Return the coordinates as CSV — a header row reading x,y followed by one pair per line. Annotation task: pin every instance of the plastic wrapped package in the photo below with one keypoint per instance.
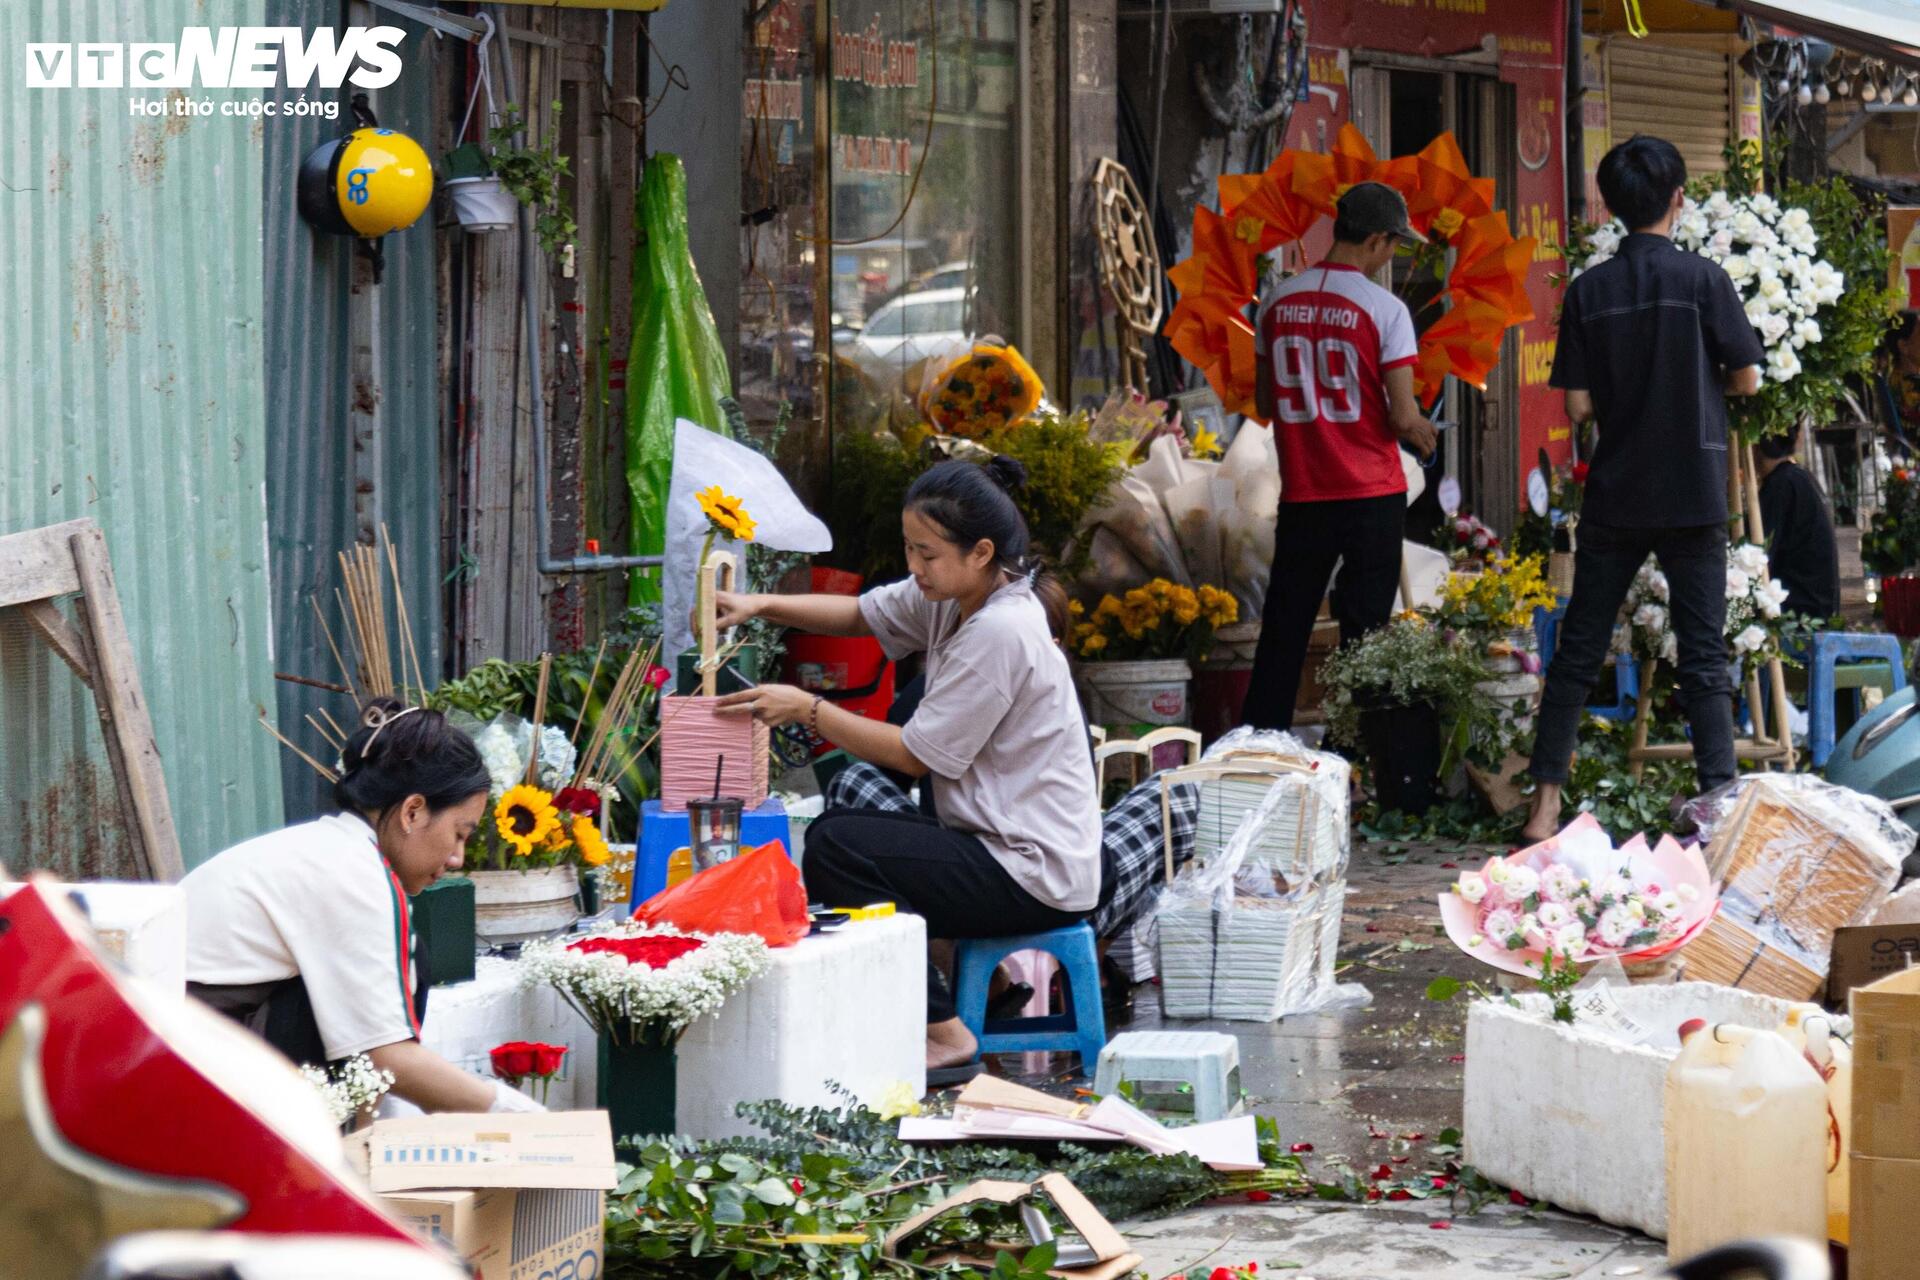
x,y
1132,517
1250,929
1195,507
978,387
1798,859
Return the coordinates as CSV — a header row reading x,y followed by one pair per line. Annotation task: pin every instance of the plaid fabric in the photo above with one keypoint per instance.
x,y
1133,839
1130,831
863,786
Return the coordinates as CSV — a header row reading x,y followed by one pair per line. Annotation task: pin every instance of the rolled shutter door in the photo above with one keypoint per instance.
x,y
1681,94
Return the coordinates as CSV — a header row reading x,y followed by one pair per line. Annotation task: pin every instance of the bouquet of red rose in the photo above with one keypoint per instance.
x,y
519,1060
645,984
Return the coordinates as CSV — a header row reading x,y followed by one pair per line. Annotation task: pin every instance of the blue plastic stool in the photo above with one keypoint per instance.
x,y
662,832
1830,649
1082,1031
1626,672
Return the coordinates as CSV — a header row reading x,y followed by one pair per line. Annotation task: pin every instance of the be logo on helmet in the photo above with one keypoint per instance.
x,y
368,183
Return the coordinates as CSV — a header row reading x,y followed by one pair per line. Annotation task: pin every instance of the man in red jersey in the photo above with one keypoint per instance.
x,y
1336,356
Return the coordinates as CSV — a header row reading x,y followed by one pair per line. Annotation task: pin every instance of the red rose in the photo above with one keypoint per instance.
x,y
1440,1182
578,800
1517,1197
1381,1174
652,952
1259,1197
513,1060
1221,1273
1579,473
547,1058
1400,1193
798,1186
657,676
1440,1226
1373,1193
1298,1147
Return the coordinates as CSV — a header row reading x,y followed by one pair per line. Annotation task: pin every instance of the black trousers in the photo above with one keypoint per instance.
x,y
1695,562
1363,535
858,856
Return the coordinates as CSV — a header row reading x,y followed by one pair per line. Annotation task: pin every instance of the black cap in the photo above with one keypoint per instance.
x,y
1371,208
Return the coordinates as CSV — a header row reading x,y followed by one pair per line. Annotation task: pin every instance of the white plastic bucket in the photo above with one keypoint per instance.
x,y
1128,693
482,204
518,906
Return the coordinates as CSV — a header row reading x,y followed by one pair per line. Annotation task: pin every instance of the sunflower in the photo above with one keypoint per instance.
x,y
725,515
592,845
525,816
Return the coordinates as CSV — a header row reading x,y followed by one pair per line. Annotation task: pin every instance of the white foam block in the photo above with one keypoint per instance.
x,y
464,1022
847,1007
1565,1114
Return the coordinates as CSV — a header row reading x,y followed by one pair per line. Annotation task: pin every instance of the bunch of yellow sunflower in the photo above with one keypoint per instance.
x,y
532,831
1159,620
1485,606
726,516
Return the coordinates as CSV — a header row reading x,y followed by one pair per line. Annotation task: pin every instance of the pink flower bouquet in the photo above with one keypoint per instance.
x,y
1581,898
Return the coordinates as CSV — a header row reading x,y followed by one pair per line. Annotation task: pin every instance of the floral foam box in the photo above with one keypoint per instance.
x,y
1574,1115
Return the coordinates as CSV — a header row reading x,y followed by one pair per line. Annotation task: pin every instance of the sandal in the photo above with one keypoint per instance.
x,y
1009,1003
947,1077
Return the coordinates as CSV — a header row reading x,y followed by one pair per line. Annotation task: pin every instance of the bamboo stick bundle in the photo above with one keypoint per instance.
x,y
401,612
539,717
288,743
616,718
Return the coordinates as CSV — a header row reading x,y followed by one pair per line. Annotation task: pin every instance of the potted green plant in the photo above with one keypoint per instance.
x,y
1137,651
1407,693
487,184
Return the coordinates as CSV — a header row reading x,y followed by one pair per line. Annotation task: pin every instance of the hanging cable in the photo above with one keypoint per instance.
x,y
926,145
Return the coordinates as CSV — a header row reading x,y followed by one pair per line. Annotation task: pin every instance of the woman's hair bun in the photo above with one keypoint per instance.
x,y
1008,472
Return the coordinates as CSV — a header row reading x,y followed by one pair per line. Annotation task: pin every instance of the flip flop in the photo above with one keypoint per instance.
x,y
946,1077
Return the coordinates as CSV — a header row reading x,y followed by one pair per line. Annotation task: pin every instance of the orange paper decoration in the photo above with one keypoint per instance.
x,y
1485,289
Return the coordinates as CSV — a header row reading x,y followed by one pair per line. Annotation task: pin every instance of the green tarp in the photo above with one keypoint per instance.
x,y
677,367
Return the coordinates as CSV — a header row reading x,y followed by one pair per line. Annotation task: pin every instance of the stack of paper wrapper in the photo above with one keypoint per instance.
x,y
1264,943
1796,866
993,1110
695,736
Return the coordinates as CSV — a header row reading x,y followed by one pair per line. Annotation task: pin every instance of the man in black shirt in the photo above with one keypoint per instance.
x,y
1799,530
1650,341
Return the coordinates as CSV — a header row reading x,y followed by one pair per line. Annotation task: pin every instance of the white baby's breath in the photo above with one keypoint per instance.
x,y
658,1004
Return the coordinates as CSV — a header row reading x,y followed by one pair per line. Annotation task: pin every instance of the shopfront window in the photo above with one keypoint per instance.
x,y
919,268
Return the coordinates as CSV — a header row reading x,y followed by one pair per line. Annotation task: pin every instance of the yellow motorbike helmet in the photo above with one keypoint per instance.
x,y
366,184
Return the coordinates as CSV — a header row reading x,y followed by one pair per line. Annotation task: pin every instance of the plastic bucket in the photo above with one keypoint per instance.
x,y
518,906
1130,693
1900,604
849,671
482,204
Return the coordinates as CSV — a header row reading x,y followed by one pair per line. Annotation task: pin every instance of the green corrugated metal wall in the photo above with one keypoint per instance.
x,y
132,391
312,493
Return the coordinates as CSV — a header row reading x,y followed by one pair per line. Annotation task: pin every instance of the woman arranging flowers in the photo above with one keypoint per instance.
x,y
998,734
303,935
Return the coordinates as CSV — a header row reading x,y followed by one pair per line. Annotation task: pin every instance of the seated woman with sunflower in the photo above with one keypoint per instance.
x,y
998,735
303,936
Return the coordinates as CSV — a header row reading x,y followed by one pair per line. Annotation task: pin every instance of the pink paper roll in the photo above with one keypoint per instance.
x,y
693,735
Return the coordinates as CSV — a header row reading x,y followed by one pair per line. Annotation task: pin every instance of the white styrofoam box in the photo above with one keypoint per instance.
x,y
1566,1115
846,1008
142,925
465,1021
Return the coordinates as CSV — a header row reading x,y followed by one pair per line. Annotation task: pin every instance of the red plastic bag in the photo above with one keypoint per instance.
x,y
758,892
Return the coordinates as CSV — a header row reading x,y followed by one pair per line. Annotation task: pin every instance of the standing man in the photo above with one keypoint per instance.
x,y
1650,343
1335,378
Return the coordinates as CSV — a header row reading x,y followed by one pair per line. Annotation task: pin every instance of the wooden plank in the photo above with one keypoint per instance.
x,y
1757,749
124,722
60,636
38,564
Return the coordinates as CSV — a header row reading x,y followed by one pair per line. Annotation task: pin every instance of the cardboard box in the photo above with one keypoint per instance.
x,y
516,1196
1867,953
1884,1192
1886,1067
1112,1258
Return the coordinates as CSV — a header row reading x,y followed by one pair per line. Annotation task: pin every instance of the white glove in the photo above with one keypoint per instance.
x,y
508,1098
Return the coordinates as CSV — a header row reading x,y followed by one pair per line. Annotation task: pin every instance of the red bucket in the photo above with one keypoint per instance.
x,y
849,671
1900,604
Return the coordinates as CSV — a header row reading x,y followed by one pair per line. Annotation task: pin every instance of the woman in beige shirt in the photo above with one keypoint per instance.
x,y
998,735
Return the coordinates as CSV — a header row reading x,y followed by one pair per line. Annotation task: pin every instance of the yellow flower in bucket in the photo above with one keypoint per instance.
x,y
592,845
524,817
